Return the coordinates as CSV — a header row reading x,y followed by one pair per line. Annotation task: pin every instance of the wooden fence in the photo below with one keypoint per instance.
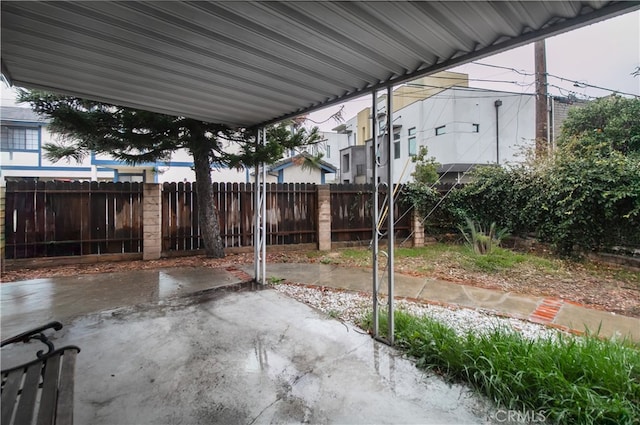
x,y
63,219
290,218
351,213
47,219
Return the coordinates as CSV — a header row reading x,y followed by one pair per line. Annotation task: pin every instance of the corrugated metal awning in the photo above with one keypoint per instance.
x,y
247,63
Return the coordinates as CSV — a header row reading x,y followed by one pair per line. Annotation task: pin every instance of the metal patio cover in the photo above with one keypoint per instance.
x,y
250,63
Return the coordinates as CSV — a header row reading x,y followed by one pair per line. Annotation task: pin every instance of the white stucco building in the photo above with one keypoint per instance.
x,y
460,126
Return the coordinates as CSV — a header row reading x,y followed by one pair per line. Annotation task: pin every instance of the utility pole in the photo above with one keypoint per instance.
x,y
542,115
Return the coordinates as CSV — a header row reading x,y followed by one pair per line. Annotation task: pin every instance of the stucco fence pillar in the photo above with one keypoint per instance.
x,y
417,229
152,221
324,217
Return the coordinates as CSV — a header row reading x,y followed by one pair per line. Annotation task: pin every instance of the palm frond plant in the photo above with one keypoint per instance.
x,y
481,239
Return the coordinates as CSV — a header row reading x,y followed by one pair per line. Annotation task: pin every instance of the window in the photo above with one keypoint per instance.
x,y
475,128
19,138
396,150
328,151
396,145
137,178
412,146
382,126
440,130
345,163
412,142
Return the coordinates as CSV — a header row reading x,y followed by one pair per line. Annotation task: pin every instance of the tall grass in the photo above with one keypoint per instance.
x,y
572,380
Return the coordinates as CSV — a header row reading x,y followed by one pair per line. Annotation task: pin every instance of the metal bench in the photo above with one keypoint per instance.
x,y
41,389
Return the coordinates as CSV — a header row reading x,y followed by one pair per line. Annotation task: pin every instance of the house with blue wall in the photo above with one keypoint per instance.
x,y
293,170
22,157
24,133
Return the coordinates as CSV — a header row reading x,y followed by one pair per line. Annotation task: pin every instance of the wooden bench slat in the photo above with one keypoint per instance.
x,y
64,415
27,401
44,385
9,393
49,394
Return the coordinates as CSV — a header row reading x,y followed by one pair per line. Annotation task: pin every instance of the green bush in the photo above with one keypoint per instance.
x,y
584,197
591,199
501,195
613,121
420,196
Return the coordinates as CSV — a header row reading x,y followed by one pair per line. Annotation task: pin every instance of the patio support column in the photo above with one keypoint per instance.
x,y
256,216
390,216
3,203
324,217
263,229
375,249
151,221
259,213
382,213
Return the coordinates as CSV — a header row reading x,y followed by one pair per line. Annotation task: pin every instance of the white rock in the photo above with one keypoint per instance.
x,y
352,307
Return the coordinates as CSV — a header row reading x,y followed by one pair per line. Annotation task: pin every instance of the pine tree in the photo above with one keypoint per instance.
x,y
135,136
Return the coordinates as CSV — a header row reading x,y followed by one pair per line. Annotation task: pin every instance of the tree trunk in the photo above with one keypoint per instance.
x,y
207,210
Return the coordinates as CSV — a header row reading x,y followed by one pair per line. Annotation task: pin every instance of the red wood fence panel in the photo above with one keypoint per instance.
x,y
352,209
48,219
73,218
291,214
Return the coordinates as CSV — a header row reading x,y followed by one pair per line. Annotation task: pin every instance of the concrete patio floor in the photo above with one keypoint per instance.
x,y
167,347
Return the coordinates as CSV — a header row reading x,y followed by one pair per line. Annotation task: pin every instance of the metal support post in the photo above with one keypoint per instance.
x,y
375,213
390,215
256,216
263,229
259,214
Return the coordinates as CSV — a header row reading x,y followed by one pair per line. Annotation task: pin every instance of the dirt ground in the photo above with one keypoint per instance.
x,y
611,288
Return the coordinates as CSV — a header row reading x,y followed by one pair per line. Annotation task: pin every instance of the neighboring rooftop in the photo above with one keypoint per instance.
x,y
16,113
456,168
298,160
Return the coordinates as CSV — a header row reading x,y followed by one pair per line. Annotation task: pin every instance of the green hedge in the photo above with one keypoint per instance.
x,y
584,198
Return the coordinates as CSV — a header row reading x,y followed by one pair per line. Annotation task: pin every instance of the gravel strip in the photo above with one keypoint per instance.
x,y
351,307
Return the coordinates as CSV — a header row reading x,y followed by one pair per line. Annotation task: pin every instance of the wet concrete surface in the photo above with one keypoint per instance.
x,y
598,322
28,304
569,316
359,279
247,357
178,346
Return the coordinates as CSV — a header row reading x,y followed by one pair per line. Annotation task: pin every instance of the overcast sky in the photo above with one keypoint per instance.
x,y
602,54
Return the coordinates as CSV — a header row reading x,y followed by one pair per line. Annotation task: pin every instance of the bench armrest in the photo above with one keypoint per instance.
x,y
35,334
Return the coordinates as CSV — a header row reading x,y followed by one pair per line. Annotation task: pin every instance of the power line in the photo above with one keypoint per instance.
x,y
440,95
521,72
574,82
581,84
484,80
